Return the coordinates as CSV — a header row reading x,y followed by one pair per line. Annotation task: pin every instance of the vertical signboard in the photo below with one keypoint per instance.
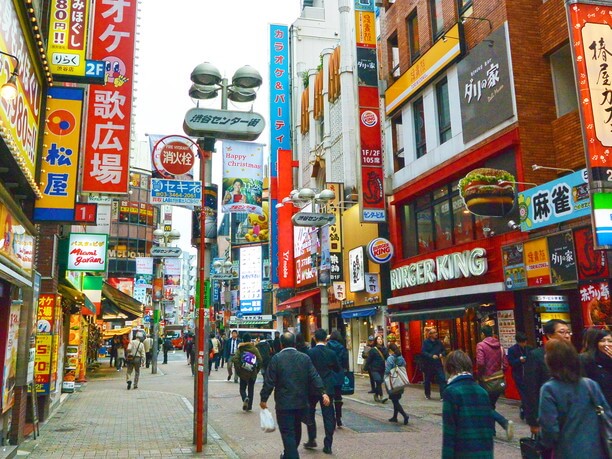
x,y
67,43
562,258
537,264
372,193
335,232
281,228
357,269
280,136
590,39
305,272
109,116
44,342
251,294
242,177
60,160
10,357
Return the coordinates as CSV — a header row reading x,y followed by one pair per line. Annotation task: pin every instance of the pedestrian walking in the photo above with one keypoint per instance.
x,y
364,367
517,357
467,419
148,345
327,365
120,359
432,352
136,356
291,375
188,345
216,348
247,362
276,345
114,343
376,365
300,343
335,344
221,359
394,360
537,373
231,346
597,365
490,359
569,423
167,346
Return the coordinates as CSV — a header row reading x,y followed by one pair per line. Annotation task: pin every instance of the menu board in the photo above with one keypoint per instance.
x,y
507,328
515,276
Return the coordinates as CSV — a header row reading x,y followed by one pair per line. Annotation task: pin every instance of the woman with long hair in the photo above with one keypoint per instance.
x,y
394,360
376,364
569,424
597,365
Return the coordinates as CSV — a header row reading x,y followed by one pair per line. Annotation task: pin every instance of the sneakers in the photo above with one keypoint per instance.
x,y
310,444
509,430
428,397
245,404
129,383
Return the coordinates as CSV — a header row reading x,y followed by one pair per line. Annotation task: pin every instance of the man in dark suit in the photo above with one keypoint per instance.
x,y
537,373
517,357
326,363
229,349
291,375
432,351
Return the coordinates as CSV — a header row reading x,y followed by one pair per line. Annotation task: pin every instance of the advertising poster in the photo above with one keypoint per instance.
x,y
515,275
592,264
537,263
251,294
10,357
123,284
242,177
507,328
281,228
210,220
87,252
172,272
596,304
305,271
562,258
44,343
60,158
109,117
357,269
67,37
16,244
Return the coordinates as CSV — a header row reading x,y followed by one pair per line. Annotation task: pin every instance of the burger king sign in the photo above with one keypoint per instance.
x,y
380,250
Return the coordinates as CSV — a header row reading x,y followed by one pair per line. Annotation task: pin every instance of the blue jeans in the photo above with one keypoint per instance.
x,y
434,372
290,427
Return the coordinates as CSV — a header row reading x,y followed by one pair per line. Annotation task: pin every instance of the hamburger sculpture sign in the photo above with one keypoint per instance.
x,y
488,192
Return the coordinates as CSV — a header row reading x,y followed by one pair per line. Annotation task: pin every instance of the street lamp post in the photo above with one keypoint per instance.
x,y
207,81
163,238
223,273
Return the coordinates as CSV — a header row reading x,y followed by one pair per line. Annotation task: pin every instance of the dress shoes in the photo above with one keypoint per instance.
x,y
310,444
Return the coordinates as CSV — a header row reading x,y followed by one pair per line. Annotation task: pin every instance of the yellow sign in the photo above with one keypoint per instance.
x,y
68,37
365,28
426,68
537,263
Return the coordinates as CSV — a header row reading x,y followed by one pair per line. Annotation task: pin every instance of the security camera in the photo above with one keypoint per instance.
x,y
512,225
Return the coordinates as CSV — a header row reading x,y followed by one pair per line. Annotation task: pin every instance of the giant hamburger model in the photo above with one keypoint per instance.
x,y
488,192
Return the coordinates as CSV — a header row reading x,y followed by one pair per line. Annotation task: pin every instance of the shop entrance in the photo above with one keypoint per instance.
x,y
457,333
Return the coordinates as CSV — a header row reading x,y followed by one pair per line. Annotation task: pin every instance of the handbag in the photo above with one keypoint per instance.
x,y
348,385
605,422
396,380
495,384
531,448
130,357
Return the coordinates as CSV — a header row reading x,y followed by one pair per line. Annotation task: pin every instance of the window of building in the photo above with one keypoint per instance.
x,y
564,83
412,25
443,106
398,143
419,127
394,64
464,5
437,18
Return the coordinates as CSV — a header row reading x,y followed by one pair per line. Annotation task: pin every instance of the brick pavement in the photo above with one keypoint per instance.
x,y
103,419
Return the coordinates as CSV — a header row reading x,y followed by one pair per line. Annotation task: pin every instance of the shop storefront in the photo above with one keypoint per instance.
x,y
361,323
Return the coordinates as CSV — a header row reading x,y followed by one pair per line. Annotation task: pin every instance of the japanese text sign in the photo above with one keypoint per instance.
x,y
223,124
251,294
305,272
60,159
554,202
183,192
106,158
281,232
174,156
20,117
537,264
67,43
562,258
592,264
596,304
515,276
87,252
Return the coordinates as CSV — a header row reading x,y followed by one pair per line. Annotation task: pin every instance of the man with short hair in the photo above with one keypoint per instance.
x,y
432,351
136,354
148,346
247,362
291,374
537,373
517,357
230,348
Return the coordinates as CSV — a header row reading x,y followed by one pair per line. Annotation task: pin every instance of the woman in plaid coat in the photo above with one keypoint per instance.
x,y
468,425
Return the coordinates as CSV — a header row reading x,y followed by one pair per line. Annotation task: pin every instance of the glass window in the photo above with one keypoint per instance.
x,y
444,225
398,143
394,63
409,238
425,231
437,18
419,127
464,5
440,192
413,36
566,98
463,230
444,118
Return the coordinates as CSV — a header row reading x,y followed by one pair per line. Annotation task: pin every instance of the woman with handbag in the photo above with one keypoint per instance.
x,y
376,365
491,362
569,405
395,360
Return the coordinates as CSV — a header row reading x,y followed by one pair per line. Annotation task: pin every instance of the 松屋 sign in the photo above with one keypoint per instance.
x,y
87,252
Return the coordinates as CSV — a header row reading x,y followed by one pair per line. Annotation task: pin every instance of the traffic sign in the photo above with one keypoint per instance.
x,y
162,252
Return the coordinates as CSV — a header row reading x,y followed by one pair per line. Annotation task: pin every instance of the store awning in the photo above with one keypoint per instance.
x,y
116,332
296,301
358,312
76,296
447,312
116,302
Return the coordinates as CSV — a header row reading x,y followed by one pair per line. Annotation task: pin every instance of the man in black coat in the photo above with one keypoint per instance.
x,y
537,373
432,351
291,375
229,349
517,358
327,365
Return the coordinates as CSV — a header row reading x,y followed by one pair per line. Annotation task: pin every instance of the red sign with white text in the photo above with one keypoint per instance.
x,y
109,113
286,267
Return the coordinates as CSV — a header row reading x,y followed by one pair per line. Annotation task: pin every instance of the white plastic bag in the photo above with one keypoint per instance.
x,y
267,421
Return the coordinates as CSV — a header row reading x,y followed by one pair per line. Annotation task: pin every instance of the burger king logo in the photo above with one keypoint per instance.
x,y
369,118
380,250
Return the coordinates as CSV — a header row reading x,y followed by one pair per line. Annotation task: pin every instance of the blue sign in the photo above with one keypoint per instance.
x,y
239,315
280,124
94,69
184,192
554,202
